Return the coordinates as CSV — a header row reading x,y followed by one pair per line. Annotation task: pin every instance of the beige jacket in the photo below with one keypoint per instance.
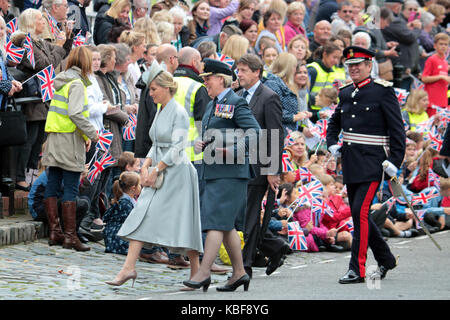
x,y
68,150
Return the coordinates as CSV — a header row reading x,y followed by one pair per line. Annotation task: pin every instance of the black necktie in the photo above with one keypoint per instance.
x,y
246,93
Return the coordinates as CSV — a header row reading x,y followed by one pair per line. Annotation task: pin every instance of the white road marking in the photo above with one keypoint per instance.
x,y
301,266
326,261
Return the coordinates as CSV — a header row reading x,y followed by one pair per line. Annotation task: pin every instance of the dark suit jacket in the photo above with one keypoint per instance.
x,y
266,107
146,115
242,119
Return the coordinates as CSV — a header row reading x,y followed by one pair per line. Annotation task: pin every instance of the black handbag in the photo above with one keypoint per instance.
x,y
13,129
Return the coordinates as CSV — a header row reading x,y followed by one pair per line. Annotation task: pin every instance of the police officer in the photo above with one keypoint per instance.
x,y
369,116
225,170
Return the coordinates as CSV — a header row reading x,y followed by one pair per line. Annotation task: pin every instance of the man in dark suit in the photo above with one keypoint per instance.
x,y
369,116
266,107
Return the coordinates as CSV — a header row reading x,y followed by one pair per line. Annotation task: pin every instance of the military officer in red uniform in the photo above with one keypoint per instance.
x,y
369,116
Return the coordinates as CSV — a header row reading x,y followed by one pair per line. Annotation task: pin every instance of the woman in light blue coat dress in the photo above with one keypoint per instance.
x,y
168,216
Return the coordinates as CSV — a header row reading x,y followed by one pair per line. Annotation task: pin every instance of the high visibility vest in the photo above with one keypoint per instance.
x,y
58,113
325,79
415,118
185,96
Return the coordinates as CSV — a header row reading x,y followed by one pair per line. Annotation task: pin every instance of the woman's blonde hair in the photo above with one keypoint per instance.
x,y
165,80
412,104
126,181
132,38
27,21
279,6
236,46
166,31
146,26
162,15
80,57
329,93
294,6
284,66
295,135
117,7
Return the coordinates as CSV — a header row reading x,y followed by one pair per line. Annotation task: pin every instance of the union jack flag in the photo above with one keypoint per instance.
x,y
310,191
288,141
417,84
129,133
350,225
79,40
226,59
105,161
390,203
305,174
13,53
286,162
425,126
46,77
434,179
28,45
405,125
105,138
12,26
420,214
341,139
320,207
321,128
436,139
53,24
401,95
296,237
423,197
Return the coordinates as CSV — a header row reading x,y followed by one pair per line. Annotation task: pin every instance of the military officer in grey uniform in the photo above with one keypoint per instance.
x,y
228,126
369,115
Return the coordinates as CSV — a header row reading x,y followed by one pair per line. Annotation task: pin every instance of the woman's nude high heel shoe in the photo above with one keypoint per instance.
x,y
117,283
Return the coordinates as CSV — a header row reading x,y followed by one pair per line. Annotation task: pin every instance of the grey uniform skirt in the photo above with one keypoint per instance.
x,y
223,204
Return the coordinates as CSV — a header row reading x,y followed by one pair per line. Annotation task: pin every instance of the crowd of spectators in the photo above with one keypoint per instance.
x,y
301,45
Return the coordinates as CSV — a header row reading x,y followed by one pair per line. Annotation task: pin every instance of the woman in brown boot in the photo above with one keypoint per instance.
x,y
69,137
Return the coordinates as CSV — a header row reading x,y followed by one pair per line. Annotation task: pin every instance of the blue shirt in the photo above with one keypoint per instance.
x,y
251,91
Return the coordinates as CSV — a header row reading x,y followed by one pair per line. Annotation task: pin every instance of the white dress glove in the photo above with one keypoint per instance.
x,y
335,150
389,168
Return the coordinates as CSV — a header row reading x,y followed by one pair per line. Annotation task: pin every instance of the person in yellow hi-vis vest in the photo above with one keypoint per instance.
x,y
323,73
70,135
191,94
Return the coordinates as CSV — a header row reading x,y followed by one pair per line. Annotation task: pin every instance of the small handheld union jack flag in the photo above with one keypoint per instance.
x,y
105,138
305,175
401,95
79,40
436,139
434,179
46,77
286,162
319,208
129,133
310,191
53,24
296,237
350,226
13,53
423,197
12,26
105,161
226,59
28,45
321,128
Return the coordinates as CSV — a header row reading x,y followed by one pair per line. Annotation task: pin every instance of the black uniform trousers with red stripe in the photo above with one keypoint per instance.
x,y
366,233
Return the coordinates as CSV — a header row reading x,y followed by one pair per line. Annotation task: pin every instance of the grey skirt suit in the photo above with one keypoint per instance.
x,y
170,215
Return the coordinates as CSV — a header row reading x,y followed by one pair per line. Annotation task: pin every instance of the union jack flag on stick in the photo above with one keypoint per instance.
x,y
12,26
105,161
79,40
296,237
105,138
13,53
28,45
129,133
423,197
46,77
226,59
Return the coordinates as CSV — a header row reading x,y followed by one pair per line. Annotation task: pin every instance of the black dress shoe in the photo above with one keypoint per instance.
x,y
19,187
335,248
351,277
276,260
244,280
197,285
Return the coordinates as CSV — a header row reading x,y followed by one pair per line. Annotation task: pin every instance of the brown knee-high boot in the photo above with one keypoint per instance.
x,y
71,240
56,236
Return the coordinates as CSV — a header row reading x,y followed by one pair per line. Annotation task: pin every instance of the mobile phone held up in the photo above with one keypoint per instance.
x,y
413,16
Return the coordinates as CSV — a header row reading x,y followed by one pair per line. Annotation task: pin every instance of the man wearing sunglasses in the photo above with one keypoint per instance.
x,y
343,19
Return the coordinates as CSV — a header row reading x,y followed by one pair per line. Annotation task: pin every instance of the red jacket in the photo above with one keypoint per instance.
x,y
341,211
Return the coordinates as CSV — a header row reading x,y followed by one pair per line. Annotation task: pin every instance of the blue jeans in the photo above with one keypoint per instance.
x,y
60,179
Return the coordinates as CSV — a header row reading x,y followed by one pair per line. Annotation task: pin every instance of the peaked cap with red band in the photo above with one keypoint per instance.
x,y
354,54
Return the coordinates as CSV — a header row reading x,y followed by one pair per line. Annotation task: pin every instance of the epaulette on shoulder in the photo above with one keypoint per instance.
x,y
345,85
384,83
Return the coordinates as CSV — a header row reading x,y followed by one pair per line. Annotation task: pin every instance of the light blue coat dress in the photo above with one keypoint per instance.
x,y
169,216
